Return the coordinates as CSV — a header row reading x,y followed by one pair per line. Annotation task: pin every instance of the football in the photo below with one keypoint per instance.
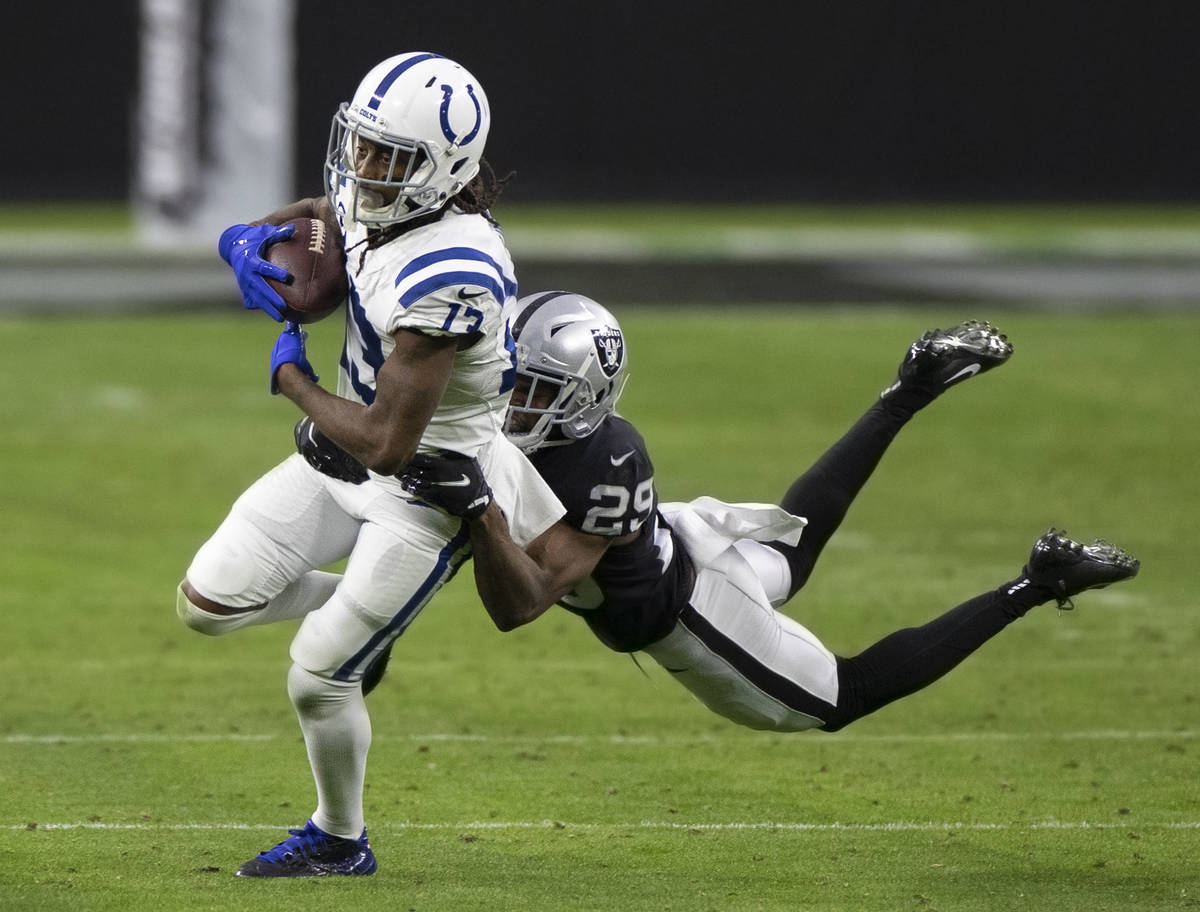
x,y
314,257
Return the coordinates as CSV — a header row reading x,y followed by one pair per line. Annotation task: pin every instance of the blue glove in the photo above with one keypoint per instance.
x,y
242,247
289,349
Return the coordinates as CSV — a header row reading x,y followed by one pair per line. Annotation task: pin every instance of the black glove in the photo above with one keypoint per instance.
x,y
449,481
326,456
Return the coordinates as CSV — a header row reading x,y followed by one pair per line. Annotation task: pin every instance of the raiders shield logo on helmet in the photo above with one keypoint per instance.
x,y
610,346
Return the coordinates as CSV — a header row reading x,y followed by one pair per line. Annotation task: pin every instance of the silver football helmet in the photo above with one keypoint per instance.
x,y
428,118
571,368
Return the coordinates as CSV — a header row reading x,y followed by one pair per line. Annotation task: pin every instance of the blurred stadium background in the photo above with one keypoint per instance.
x,y
1040,154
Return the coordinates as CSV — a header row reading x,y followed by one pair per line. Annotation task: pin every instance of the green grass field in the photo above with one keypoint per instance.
x,y
1055,770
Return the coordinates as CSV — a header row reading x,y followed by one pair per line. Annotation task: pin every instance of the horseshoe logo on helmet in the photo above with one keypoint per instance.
x,y
447,94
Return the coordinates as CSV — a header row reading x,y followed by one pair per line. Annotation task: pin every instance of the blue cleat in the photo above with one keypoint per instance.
x,y
311,852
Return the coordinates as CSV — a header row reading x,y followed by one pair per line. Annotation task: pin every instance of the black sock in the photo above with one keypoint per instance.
x,y
823,494
909,399
1026,594
910,659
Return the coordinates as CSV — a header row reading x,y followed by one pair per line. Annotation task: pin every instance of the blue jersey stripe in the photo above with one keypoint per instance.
x,y
457,253
451,557
396,72
446,279
366,393
370,351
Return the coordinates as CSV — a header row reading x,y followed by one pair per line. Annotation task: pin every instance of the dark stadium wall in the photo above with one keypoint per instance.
x,y
761,101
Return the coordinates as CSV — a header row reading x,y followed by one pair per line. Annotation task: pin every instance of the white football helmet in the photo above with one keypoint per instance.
x,y
433,117
571,353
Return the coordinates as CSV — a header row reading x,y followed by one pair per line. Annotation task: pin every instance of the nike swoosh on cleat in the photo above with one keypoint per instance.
x,y
969,371
462,482
617,460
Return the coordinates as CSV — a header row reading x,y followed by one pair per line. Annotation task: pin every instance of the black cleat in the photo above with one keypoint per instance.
x,y
374,673
1068,567
311,852
944,357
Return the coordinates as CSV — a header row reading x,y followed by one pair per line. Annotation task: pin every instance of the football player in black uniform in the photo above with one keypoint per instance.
x,y
696,586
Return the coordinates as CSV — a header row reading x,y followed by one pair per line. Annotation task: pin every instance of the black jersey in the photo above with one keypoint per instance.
x,y
606,483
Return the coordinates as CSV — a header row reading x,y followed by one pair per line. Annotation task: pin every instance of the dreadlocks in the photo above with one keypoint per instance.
x,y
482,191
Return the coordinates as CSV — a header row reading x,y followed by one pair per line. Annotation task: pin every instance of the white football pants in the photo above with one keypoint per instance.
x,y
738,655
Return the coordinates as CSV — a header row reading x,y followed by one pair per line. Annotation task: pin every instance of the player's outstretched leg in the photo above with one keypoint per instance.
x,y
946,357
910,659
1069,567
939,359
311,852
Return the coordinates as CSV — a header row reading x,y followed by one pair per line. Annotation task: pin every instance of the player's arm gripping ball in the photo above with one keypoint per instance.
x,y
449,481
242,247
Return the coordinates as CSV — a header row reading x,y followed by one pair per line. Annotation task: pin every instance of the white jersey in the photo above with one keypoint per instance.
x,y
451,277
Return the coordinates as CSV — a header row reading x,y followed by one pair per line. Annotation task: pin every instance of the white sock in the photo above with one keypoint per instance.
x,y
306,594
337,733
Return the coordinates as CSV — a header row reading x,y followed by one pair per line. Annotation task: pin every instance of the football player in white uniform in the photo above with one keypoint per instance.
x,y
428,364
697,586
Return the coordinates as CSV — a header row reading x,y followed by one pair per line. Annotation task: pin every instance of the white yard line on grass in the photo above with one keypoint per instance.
x,y
128,738
450,737
893,826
